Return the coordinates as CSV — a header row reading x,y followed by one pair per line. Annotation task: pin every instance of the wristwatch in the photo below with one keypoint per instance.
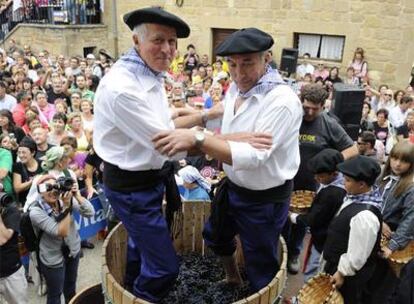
x,y
199,138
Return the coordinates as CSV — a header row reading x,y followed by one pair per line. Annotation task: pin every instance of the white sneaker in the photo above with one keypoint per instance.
x,y
293,265
42,289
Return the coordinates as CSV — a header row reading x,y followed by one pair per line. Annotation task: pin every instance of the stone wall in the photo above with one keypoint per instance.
x,y
383,28
60,39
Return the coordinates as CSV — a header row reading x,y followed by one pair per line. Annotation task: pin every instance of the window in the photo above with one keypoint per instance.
x,y
320,46
219,35
88,50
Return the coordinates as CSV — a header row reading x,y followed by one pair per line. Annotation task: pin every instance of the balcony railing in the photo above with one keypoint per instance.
x,y
49,12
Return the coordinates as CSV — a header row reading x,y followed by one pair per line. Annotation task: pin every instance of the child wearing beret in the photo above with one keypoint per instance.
x,y
328,199
354,234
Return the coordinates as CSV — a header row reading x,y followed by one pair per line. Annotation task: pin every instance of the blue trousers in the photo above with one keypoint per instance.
x,y
313,264
258,225
61,279
151,260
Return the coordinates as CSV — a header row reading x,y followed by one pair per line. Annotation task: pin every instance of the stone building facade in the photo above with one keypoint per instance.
x,y
69,40
383,28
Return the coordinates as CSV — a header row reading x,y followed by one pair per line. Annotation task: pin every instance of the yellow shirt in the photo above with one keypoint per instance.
x,y
175,62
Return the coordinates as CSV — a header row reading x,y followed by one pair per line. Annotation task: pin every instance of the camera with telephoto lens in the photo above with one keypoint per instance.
x,y
63,184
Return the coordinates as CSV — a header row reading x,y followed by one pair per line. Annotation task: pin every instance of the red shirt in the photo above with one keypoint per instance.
x,y
19,116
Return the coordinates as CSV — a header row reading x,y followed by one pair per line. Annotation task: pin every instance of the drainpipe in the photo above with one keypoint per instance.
x,y
115,28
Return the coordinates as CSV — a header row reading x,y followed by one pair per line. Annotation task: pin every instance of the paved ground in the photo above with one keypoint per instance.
x,y
89,274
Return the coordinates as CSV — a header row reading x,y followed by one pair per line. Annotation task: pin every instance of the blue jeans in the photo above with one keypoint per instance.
x,y
61,279
151,257
82,13
258,225
312,266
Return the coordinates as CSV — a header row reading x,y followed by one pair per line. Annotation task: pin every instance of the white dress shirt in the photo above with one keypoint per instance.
x,y
362,238
129,110
279,112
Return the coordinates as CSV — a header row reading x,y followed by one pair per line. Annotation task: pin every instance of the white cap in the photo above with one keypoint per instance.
x,y
90,56
220,75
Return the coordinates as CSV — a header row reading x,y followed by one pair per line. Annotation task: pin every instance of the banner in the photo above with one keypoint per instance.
x,y
89,227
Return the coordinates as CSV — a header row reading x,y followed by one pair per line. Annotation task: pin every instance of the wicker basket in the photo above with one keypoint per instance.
x,y
400,258
301,201
319,290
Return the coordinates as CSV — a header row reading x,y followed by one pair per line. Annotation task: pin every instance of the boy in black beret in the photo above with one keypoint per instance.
x,y
354,234
328,199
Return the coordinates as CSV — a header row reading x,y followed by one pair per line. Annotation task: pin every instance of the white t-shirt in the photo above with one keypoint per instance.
x,y
8,103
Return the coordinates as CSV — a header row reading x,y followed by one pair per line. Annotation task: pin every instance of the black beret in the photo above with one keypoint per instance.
x,y
361,168
244,41
159,16
325,161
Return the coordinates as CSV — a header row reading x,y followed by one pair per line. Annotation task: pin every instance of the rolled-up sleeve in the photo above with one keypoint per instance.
x,y
42,221
277,120
85,209
362,237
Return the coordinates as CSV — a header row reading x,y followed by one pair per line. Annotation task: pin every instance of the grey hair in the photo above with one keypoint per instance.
x,y
140,31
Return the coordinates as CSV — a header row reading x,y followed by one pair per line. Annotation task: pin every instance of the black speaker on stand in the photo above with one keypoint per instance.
x,y
289,60
347,104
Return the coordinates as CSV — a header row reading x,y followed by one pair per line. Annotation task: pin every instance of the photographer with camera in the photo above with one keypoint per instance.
x,y
59,246
55,162
13,284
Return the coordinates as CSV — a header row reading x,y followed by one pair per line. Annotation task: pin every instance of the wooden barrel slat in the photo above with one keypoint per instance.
x,y
188,228
198,226
264,295
274,288
127,297
254,298
104,273
110,286
281,277
118,293
178,241
242,301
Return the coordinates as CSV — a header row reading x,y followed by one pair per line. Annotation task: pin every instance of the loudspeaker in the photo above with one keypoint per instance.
x,y
347,104
289,60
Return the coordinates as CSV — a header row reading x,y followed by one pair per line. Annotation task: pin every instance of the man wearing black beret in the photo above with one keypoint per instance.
x,y
131,107
354,234
253,200
325,205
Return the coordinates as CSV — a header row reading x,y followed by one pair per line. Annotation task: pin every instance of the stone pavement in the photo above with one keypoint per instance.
x,y
89,272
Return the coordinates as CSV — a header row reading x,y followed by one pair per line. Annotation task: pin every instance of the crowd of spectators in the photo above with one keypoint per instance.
x,y
48,12
47,100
